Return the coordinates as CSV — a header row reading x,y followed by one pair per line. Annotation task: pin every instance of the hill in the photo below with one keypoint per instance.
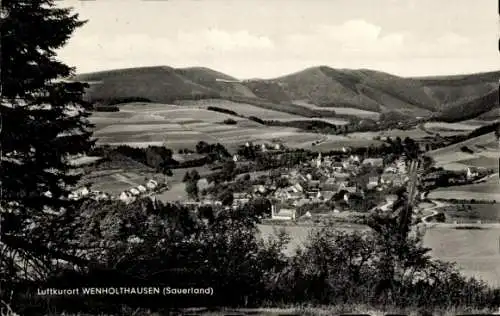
x,y
448,98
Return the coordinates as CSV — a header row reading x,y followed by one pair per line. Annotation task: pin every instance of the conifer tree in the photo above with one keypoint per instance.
x,y
44,124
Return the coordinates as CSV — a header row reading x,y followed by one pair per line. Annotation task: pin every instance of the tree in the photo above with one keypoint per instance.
x,y
195,176
192,189
187,177
227,198
44,124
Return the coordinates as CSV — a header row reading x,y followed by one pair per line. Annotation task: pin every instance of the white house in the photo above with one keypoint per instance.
x,y
374,162
235,157
126,197
135,192
472,173
372,182
354,158
152,184
142,189
282,213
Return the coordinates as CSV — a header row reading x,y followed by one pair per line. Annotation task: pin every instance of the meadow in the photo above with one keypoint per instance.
x,y
489,190
485,154
476,252
487,213
414,133
363,114
183,127
441,126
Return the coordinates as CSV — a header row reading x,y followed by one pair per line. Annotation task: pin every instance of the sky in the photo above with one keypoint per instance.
x,y
269,38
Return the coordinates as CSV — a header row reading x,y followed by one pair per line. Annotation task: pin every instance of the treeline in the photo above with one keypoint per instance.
x,y
147,244
161,158
221,110
469,108
480,131
467,201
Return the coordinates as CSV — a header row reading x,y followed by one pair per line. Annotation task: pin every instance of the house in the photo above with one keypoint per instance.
x,y
313,194
341,176
306,215
298,187
241,195
472,173
330,185
235,157
374,162
102,196
337,166
327,195
350,189
135,192
401,166
152,184
278,213
282,194
259,189
240,202
313,184
84,191
387,178
142,189
372,182
391,169
354,159
126,197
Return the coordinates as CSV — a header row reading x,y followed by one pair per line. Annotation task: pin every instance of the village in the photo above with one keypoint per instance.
x,y
332,185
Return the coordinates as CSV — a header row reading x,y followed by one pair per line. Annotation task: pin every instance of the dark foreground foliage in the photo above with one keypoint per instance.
x,y
152,244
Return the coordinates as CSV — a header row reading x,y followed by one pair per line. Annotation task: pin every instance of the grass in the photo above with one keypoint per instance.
x,y
442,126
475,251
183,127
481,161
451,157
363,114
489,190
473,213
414,133
241,108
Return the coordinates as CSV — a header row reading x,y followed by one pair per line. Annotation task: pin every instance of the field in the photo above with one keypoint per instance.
x,y
473,212
183,127
116,181
241,109
248,110
485,154
441,126
342,111
489,190
337,142
475,251
414,133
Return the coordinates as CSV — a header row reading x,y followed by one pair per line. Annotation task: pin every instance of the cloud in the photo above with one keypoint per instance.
x,y
224,41
361,39
351,37
91,51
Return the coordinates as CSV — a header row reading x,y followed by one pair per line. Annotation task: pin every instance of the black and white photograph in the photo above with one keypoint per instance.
x,y
249,157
